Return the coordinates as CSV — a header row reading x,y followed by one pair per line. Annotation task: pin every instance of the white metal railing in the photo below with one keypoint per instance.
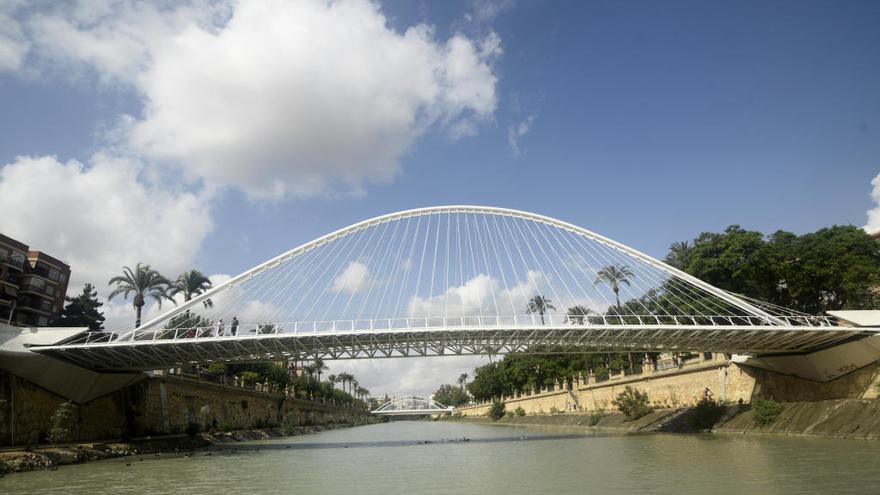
x,y
512,322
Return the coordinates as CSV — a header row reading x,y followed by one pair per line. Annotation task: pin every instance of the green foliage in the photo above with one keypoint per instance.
x,y
539,305
632,403
226,426
496,410
217,369
190,284
143,282
250,377
523,373
61,422
82,311
832,268
766,411
554,410
594,419
451,395
519,411
705,414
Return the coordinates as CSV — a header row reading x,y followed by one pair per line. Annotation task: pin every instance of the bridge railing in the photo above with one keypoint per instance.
x,y
500,322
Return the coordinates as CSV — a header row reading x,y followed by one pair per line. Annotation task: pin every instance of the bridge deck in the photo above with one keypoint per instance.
x,y
160,353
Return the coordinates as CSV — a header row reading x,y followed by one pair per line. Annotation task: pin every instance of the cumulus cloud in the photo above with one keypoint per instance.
x,y
479,296
873,224
314,97
101,216
354,278
277,98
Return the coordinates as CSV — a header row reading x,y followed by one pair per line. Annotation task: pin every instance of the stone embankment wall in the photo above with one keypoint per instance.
x,y
157,405
683,386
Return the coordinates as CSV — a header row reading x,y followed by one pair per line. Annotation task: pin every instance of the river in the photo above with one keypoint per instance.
x,y
449,458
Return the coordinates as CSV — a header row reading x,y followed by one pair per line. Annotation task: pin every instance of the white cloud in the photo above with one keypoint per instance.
x,y
873,224
100,217
420,375
115,38
516,132
13,43
314,97
354,278
277,98
479,296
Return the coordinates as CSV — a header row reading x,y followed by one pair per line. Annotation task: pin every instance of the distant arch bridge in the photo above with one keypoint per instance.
x,y
411,405
454,280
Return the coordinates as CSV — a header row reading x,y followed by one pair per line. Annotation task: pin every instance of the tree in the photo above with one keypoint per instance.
x,y
190,284
539,304
678,254
833,268
577,315
82,311
462,380
614,276
332,379
450,395
143,282
318,367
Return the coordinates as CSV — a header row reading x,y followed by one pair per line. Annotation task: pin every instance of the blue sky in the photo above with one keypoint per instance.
x,y
647,122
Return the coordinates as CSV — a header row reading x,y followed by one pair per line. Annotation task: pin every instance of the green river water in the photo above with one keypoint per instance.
x,y
449,458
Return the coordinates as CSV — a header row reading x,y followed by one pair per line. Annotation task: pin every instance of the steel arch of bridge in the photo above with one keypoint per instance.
x,y
411,405
703,318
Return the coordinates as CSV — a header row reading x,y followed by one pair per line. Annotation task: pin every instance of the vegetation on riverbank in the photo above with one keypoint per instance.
x,y
833,268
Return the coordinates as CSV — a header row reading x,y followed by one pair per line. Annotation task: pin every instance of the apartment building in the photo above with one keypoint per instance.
x,y
32,284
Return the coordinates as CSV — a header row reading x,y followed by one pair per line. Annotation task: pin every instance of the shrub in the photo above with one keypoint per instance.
x,y
553,410
706,413
632,403
60,422
250,377
519,411
496,411
594,419
217,368
766,411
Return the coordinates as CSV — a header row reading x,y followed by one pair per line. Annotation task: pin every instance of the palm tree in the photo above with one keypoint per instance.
x,y
539,304
679,252
319,367
615,276
462,379
332,379
345,378
190,284
577,314
143,282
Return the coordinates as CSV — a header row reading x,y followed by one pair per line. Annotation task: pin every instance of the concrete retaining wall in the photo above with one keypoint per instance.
x,y
155,406
684,386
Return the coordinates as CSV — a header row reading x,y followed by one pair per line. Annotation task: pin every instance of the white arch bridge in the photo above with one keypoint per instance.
x,y
454,280
411,405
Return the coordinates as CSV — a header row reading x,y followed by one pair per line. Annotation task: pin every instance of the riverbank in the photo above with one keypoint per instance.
x,y
48,457
842,418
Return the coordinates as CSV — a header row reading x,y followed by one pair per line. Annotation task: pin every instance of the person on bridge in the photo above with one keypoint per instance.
x,y
220,328
234,326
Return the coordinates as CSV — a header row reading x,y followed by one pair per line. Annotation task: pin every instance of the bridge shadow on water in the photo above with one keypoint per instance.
x,y
394,443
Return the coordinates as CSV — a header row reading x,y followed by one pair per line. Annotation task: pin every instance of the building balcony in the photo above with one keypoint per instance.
x,y
45,291
15,262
